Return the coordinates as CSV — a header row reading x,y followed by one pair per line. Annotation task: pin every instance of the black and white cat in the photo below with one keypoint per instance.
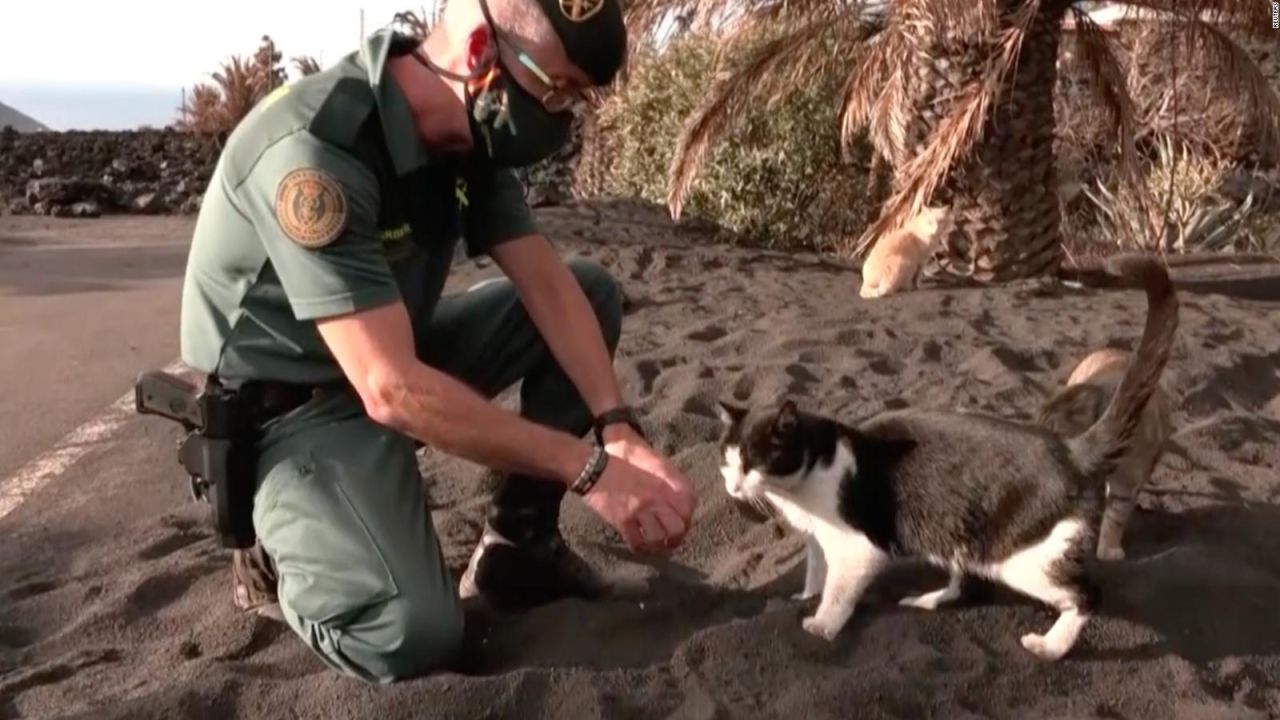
x,y
968,492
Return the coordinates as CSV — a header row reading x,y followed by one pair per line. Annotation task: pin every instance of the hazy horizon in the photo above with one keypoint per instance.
x,y
106,74
78,64
69,106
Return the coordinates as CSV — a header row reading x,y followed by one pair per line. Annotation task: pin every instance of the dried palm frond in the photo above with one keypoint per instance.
x,y
1240,74
773,72
1185,88
737,21
927,83
202,113
891,116
956,134
742,29
412,23
1111,90
646,17
242,86
215,109
306,65
957,20
266,63
1108,80
1251,17
878,76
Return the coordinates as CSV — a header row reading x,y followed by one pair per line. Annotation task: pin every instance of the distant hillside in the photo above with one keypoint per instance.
x,y
20,122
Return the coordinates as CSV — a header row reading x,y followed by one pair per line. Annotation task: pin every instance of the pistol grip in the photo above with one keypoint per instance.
x,y
158,393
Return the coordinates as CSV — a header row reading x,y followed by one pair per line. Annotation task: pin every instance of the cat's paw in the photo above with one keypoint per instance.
x,y
1040,647
1110,553
819,629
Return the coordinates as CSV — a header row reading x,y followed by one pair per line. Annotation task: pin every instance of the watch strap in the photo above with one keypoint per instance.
x,y
621,414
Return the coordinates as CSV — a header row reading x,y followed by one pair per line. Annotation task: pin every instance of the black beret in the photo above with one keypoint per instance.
x,y
593,34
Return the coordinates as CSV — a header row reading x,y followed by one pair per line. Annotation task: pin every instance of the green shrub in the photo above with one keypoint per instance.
x,y
775,179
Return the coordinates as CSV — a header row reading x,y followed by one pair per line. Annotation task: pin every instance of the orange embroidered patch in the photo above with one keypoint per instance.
x,y
311,207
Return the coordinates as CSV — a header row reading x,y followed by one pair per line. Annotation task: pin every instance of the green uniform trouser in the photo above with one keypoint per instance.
x,y
340,506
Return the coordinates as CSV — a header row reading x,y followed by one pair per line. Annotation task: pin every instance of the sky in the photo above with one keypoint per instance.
x,y
64,61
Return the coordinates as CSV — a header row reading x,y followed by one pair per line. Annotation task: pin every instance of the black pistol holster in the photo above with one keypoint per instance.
x,y
219,451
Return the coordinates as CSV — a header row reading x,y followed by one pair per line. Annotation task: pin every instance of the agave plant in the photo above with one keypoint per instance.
x,y
1190,212
957,99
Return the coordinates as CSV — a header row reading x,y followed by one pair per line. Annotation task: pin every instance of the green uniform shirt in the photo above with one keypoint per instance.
x,y
325,202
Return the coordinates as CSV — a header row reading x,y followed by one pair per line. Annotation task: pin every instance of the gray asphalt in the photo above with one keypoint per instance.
x,y
85,305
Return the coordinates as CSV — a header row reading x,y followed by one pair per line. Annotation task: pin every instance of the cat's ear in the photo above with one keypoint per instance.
x,y
729,413
788,417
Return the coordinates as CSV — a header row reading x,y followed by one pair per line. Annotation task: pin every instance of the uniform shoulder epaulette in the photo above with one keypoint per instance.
x,y
342,115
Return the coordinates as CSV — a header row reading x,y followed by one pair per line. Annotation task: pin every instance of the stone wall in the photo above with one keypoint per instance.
x,y
90,173
157,172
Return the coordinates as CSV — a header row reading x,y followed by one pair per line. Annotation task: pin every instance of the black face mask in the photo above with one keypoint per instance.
x,y
511,127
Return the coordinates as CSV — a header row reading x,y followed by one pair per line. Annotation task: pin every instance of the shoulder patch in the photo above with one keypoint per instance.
x,y
311,207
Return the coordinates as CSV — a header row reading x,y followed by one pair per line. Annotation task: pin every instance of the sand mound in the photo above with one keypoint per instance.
x,y
133,619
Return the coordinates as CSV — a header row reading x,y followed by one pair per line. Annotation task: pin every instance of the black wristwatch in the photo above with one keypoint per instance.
x,y
620,414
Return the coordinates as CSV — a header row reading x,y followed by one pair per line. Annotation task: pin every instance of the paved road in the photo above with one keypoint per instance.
x,y
84,306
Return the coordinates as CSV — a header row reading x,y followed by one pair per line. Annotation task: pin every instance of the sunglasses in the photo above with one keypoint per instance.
x,y
557,97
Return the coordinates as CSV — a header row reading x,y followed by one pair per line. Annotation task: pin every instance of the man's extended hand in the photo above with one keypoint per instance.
x,y
643,496
652,499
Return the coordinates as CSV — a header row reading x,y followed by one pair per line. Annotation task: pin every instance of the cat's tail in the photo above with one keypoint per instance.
x,y
1098,450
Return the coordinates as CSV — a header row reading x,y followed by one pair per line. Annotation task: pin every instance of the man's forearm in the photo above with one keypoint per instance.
x,y
564,318
445,414
570,328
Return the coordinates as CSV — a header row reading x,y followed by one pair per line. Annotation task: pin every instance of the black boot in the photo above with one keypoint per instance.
x,y
522,559
512,577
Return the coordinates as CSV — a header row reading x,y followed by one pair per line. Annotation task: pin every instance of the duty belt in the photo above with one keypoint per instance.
x,y
220,448
266,400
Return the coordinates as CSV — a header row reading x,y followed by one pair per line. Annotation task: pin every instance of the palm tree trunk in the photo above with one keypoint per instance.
x,y
1003,194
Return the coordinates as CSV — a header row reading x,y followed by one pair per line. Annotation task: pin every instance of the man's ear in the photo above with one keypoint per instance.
x,y
479,46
